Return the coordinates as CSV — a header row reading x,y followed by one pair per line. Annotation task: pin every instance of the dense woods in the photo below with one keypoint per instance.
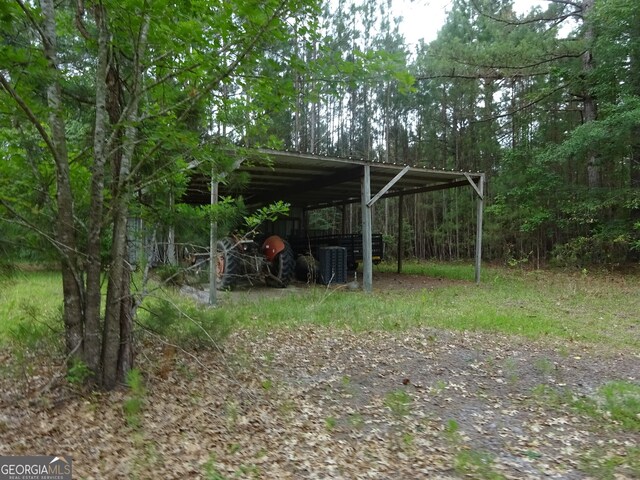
x,y
106,104
546,103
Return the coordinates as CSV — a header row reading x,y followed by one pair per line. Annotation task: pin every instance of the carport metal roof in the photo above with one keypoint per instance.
x,y
314,181
317,181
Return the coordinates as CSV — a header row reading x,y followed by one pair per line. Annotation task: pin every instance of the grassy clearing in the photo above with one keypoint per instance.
x,y
597,307
451,270
29,297
539,304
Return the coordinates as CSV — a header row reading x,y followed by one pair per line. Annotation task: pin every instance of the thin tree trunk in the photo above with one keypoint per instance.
x,y
434,216
116,293
297,122
125,353
445,122
172,258
94,264
385,121
457,225
514,132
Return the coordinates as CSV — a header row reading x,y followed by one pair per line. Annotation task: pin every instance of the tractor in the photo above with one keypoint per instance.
x,y
241,259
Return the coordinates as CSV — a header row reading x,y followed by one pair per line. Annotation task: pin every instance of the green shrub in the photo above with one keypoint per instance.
x,y
399,402
186,323
171,275
78,372
582,252
132,406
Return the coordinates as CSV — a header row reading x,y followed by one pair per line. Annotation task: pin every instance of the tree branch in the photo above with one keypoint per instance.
x,y
26,223
79,22
523,107
521,67
479,76
33,21
29,113
226,72
556,19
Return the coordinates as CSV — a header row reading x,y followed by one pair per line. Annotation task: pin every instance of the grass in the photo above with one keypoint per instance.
x,y
28,296
595,307
616,404
184,322
450,270
599,308
607,466
622,403
539,304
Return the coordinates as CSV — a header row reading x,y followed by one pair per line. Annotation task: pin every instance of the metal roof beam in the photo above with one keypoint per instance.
x,y
408,191
474,185
386,188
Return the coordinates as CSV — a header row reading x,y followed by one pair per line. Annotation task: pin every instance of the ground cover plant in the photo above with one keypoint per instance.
x,y
414,381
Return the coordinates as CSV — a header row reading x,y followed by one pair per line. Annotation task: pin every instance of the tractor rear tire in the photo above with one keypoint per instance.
x,y
282,269
227,264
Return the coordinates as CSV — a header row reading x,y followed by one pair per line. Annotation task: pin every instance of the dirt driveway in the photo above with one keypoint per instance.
x,y
429,404
319,403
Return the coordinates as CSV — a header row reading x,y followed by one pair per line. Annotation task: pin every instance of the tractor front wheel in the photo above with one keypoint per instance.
x,y
282,268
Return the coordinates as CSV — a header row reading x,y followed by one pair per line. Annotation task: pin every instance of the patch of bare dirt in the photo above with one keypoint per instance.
x,y
318,403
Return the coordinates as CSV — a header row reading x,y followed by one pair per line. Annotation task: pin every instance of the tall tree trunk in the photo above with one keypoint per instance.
x,y
72,284
117,293
117,329
514,132
444,123
590,107
125,352
634,57
297,126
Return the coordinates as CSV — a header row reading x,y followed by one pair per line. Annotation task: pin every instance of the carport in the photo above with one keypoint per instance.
x,y
312,182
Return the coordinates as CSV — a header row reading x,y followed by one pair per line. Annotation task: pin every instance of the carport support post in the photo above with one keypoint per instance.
x,y
400,239
480,207
367,249
213,240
